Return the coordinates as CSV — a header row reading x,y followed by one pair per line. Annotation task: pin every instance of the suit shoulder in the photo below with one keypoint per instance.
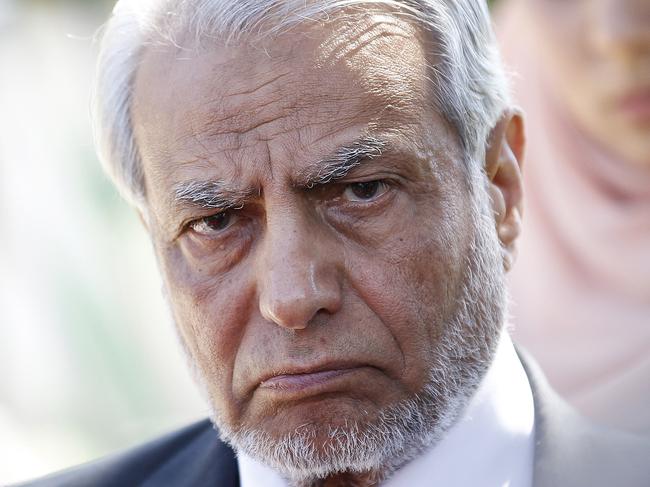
x,y
620,457
573,451
134,465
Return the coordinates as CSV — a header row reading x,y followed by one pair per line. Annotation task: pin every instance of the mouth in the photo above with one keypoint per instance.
x,y
310,380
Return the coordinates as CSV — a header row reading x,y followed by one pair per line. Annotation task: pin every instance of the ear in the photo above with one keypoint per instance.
x,y
503,162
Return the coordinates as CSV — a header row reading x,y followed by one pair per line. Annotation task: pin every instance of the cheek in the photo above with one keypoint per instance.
x,y
411,281
210,313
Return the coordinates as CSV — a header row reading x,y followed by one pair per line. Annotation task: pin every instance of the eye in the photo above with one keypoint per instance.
x,y
213,224
365,191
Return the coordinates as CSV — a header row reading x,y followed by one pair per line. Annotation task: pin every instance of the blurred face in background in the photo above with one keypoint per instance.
x,y
596,57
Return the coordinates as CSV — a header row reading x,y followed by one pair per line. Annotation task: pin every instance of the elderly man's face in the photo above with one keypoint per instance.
x,y
312,221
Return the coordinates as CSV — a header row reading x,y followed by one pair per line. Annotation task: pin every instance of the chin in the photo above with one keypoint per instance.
x,y
320,415
337,439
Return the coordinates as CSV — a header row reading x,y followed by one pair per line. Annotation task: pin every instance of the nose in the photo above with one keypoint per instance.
x,y
622,28
298,268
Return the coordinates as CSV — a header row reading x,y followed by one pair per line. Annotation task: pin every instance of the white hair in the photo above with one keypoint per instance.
x,y
469,86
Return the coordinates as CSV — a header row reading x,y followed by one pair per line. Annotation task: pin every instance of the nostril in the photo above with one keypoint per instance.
x,y
288,304
297,277
296,309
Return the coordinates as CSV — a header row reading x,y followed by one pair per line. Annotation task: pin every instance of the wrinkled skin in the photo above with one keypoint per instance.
x,y
299,277
596,58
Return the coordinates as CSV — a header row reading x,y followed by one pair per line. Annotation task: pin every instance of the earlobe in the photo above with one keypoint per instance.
x,y
504,157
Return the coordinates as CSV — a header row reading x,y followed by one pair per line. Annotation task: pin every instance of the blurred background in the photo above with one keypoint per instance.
x,y
88,359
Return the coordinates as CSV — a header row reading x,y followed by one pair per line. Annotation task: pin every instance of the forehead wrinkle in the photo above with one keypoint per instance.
x,y
226,109
360,40
244,122
359,35
229,118
308,116
393,88
365,41
213,163
255,96
379,101
232,152
259,87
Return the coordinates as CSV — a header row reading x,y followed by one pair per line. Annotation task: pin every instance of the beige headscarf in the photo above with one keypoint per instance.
x,y
581,286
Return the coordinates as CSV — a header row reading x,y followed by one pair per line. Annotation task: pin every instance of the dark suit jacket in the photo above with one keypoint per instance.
x,y
569,452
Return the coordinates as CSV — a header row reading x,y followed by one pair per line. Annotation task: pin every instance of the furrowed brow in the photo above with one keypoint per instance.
x,y
341,162
210,194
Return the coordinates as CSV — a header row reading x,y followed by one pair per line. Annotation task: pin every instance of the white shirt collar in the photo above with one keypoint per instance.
x,y
491,445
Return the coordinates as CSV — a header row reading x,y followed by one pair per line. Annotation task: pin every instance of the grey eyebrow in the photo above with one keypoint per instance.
x,y
341,162
217,194
210,194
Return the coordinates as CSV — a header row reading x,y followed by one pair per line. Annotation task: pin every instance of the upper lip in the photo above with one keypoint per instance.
x,y
311,369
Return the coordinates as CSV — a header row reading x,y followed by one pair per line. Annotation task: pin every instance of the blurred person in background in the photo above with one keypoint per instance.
x,y
581,288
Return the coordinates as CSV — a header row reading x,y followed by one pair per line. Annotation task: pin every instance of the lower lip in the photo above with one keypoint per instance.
x,y
303,382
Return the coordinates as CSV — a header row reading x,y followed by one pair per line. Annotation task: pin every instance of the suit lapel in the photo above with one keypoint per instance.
x,y
555,431
205,462
572,451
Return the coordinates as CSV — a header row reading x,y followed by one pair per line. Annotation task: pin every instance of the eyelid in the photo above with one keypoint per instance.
x,y
389,177
190,225
384,187
214,210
